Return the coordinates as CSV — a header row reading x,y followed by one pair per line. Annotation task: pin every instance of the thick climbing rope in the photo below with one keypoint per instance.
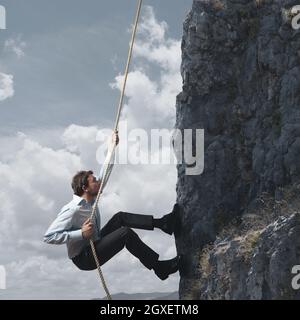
x,y
114,145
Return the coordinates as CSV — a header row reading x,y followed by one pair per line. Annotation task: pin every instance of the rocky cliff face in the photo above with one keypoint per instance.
x,y
241,84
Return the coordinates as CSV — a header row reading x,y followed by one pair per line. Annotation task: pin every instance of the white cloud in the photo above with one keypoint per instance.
x,y
33,190
16,46
152,101
153,44
6,86
150,26
82,141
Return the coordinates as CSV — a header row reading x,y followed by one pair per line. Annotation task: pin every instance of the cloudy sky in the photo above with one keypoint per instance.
x,y
61,67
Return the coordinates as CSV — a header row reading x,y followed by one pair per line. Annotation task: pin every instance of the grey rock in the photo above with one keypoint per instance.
x,y
241,84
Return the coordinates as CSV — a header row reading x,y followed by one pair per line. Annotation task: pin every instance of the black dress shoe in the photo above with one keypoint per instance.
x,y
166,267
169,221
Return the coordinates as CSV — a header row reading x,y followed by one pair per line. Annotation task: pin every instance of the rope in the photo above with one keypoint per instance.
x,y
116,128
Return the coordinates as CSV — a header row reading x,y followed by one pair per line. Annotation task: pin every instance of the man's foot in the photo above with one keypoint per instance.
x,y
166,267
169,221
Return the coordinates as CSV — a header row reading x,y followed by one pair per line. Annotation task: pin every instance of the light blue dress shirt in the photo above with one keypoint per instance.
x,y
66,228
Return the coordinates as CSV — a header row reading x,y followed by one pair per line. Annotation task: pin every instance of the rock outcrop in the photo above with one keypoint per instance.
x,y
241,84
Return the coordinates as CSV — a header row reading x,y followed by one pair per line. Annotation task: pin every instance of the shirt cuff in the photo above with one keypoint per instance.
x,y
76,235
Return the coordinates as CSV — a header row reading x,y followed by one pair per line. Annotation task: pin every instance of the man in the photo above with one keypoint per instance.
x,y
74,227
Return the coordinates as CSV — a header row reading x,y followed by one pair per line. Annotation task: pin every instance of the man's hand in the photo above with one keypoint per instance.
x,y
87,229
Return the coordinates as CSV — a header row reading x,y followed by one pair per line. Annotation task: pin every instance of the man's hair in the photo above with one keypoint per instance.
x,y
79,181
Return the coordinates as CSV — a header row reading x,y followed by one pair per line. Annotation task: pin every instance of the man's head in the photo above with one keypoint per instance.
x,y
84,182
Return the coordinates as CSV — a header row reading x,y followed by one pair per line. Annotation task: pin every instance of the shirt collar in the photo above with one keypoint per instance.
x,y
79,200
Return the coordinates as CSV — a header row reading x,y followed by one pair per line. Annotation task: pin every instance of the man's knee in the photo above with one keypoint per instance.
x,y
128,232
119,215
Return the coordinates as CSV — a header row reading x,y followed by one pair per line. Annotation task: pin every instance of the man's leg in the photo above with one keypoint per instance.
x,y
111,244
127,219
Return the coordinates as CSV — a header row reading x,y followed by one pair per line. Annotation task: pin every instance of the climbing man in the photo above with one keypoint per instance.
x,y
74,227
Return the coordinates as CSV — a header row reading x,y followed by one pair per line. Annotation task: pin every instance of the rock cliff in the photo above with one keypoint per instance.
x,y
239,220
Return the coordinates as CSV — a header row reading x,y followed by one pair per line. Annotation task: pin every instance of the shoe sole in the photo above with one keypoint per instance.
x,y
178,262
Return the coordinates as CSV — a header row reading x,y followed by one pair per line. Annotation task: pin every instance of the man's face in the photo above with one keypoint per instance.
x,y
93,185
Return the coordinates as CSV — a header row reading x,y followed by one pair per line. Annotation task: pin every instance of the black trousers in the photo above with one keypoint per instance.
x,y
116,234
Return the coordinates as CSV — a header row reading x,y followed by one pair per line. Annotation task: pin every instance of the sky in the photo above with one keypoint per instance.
x,y
61,69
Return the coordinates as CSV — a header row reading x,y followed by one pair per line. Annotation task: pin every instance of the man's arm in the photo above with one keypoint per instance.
x,y
108,165
59,231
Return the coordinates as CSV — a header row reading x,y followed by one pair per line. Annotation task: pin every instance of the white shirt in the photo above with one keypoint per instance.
x,y
66,228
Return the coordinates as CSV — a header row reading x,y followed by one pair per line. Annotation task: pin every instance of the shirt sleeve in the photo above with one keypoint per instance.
x,y
60,230
107,166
